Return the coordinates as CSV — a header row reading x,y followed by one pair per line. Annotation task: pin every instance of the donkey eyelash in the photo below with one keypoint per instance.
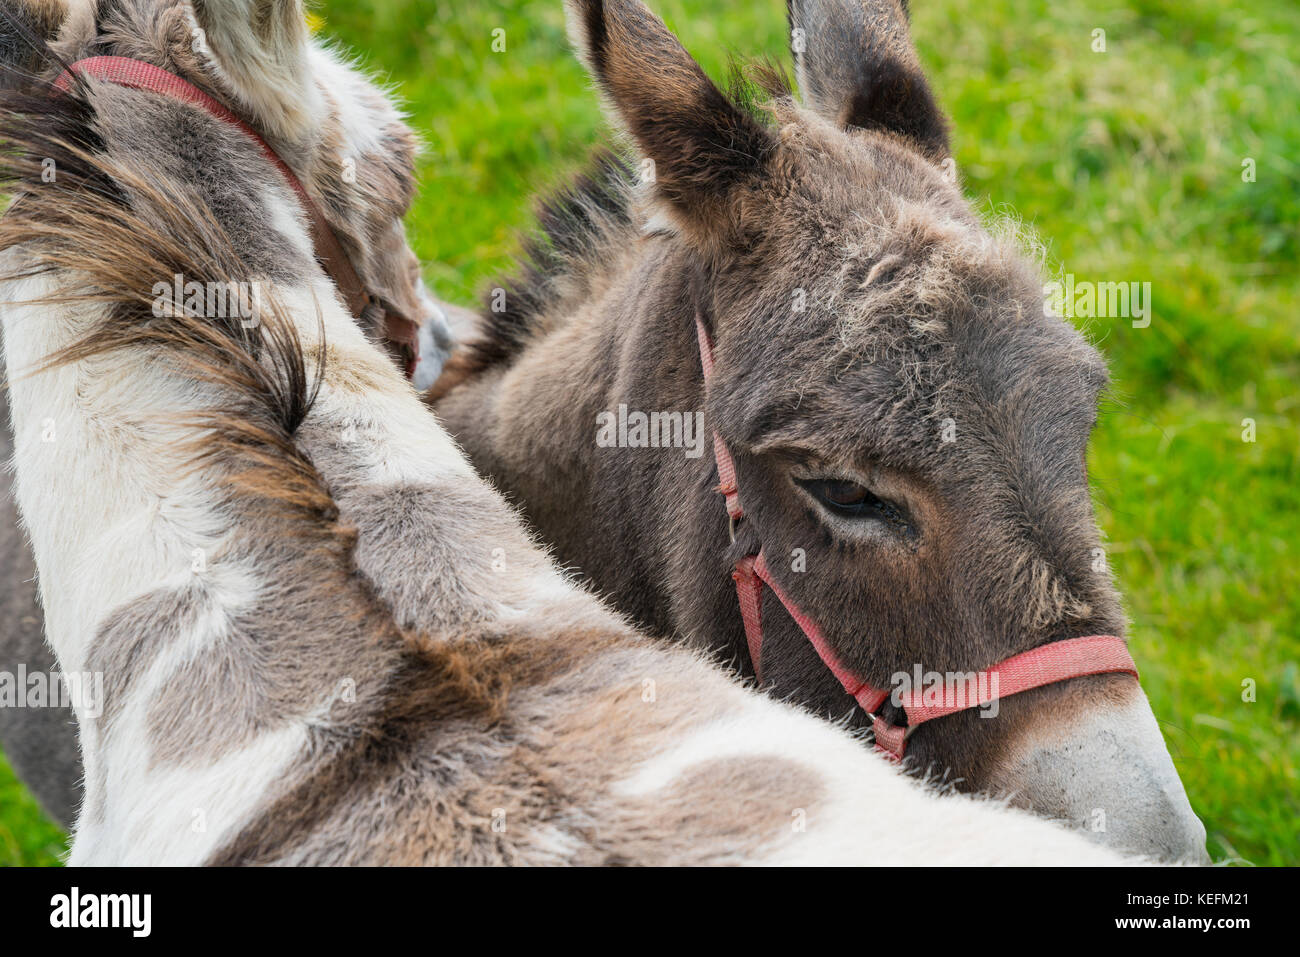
x,y
851,500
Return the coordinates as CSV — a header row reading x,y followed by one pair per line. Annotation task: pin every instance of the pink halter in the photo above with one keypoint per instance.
x,y
400,330
1047,664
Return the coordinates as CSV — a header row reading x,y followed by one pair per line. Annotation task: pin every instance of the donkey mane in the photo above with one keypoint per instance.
x,y
576,225
101,223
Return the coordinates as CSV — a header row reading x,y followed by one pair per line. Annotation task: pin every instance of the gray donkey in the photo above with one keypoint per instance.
x,y
900,427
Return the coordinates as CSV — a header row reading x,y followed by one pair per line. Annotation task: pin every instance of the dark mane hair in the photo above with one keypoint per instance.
x,y
579,223
98,221
575,225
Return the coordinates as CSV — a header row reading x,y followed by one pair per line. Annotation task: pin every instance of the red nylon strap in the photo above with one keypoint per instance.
x,y
751,575
721,455
1044,665
399,329
868,697
1047,664
749,592
891,739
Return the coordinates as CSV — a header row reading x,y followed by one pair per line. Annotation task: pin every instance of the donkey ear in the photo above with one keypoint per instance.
x,y
705,149
857,66
259,48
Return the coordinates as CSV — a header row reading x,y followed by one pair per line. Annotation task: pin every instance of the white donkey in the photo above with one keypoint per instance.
x,y
322,638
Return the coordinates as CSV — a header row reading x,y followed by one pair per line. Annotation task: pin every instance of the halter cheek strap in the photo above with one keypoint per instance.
x,y
1044,665
400,330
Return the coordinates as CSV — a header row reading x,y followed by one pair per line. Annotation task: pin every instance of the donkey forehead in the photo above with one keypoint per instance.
x,y
914,369
855,209
890,309
842,175
358,116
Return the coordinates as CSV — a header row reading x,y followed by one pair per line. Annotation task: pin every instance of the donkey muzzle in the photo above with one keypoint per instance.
x,y
1106,771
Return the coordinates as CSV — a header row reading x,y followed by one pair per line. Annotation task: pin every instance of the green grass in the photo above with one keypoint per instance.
x,y
1128,163
26,837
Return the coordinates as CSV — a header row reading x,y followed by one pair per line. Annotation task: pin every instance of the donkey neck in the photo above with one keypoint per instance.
x,y
156,581
628,349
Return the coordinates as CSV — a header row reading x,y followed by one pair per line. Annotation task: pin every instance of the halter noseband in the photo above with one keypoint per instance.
x,y
1044,665
400,331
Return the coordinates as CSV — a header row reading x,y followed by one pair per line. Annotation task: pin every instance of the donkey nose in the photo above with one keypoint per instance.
x,y
436,343
1105,770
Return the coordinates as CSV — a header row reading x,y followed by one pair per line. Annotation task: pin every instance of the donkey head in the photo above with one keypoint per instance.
x,y
909,426
338,132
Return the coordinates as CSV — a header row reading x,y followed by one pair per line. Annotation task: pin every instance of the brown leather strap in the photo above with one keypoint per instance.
x,y
399,330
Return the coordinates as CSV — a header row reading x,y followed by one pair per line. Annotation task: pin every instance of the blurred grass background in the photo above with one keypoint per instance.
x,y
1129,164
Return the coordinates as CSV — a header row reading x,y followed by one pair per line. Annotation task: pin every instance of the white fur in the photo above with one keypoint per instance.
x,y
267,71
874,813
108,523
178,815
333,73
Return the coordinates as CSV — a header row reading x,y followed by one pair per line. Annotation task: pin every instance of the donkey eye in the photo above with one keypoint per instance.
x,y
852,500
841,494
